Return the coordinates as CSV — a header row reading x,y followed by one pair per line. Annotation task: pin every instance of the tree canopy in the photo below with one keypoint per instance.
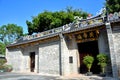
x,y
113,6
8,34
49,20
2,48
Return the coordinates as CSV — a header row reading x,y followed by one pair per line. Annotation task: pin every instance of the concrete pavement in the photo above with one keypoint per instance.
x,y
26,76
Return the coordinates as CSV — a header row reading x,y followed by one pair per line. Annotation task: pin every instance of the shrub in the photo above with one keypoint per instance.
x,y
5,67
88,61
102,61
8,68
2,62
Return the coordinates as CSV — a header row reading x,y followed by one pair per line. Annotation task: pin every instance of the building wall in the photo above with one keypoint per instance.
x,y
69,55
103,42
116,38
26,57
49,58
19,58
104,48
53,57
73,52
64,56
15,58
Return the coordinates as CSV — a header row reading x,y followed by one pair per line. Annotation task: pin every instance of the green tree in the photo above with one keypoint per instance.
x,y
8,34
49,20
2,48
113,6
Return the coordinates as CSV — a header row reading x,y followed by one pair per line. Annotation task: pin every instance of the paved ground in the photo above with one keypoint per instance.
x,y
19,76
23,76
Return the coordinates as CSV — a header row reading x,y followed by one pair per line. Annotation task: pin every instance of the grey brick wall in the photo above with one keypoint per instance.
x,y
112,49
26,57
69,50
104,48
49,58
14,58
19,58
73,52
116,36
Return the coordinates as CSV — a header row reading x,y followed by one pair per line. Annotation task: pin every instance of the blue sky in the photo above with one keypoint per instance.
x,y
18,11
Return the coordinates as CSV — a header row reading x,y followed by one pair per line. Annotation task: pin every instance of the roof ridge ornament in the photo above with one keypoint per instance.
x,y
103,12
77,18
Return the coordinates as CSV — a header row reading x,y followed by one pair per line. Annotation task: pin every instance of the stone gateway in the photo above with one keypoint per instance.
x,y
60,51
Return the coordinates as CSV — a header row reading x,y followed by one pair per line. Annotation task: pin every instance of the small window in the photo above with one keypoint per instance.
x,y
70,59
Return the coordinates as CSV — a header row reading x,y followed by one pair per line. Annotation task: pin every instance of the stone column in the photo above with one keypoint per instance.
x,y
61,55
112,51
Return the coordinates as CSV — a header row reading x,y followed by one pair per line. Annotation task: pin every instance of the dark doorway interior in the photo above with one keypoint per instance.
x,y
32,61
88,48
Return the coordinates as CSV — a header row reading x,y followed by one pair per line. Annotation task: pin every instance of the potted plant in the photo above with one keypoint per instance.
x,y
102,61
88,61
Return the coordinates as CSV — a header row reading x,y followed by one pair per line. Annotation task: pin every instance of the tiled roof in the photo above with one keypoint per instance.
x,y
32,40
83,28
77,25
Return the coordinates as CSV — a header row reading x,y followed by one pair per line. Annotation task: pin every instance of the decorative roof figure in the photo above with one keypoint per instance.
x,y
77,20
103,12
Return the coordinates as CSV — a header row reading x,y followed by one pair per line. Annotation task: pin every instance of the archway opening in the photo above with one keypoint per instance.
x,y
88,48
